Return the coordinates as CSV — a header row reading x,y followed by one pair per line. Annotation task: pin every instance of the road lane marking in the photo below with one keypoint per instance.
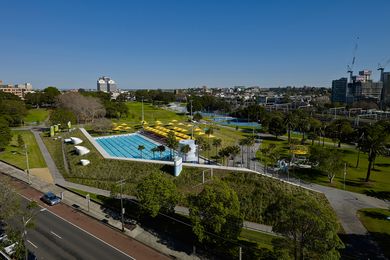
x,y
32,243
101,240
55,234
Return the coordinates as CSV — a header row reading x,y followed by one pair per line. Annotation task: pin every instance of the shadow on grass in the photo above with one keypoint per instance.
x,y
376,215
355,183
383,164
307,174
378,194
362,246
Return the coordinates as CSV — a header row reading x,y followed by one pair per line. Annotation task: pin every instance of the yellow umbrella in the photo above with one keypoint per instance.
x,y
197,129
180,124
189,125
174,121
123,124
127,127
114,124
200,133
158,123
211,136
170,123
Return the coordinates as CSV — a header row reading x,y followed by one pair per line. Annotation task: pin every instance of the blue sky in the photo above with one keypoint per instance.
x,y
183,43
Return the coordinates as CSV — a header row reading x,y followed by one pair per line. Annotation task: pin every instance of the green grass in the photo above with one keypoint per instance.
x,y
376,223
262,240
151,114
36,115
378,186
16,155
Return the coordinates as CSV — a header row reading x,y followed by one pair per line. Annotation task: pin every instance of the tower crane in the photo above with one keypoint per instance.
x,y
350,67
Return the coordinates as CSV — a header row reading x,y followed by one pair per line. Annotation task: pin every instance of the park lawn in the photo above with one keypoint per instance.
x,y
16,155
378,186
379,227
263,240
151,114
36,115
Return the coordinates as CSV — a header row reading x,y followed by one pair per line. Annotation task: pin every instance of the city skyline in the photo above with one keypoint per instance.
x,y
189,44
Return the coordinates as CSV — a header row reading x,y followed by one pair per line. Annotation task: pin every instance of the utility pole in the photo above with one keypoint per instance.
x,y
27,163
120,183
345,173
142,107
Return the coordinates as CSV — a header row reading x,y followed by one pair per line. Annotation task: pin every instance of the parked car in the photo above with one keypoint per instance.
x,y
50,198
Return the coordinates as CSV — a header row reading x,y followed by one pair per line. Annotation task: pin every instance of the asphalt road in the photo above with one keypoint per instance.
x,y
54,238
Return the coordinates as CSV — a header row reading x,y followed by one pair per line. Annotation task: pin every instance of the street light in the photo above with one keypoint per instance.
x,y
25,225
27,163
121,183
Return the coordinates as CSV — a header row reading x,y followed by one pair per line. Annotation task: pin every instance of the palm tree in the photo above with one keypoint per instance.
x,y
140,148
290,121
242,143
234,150
217,143
154,150
161,149
373,143
209,132
199,142
172,143
250,141
185,149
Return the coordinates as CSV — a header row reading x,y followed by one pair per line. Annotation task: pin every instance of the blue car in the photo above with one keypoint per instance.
x,y
50,198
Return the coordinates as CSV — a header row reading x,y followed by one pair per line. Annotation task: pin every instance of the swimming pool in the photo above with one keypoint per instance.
x,y
127,146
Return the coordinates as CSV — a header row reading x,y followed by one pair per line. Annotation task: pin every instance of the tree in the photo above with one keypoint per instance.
x,y
154,150
157,193
327,160
197,117
234,150
185,149
340,130
303,122
62,116
5,133
13,111
102,125
217,143
209,132
172,143
250,141
50,95
373,143
141,148
270,154
315,126
161,149
200,142
276,126
242,143
224,153
216,209
310,227
9,201
20,141
290,122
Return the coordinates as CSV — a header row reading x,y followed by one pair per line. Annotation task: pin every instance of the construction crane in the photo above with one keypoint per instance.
x,y
350,67
381,68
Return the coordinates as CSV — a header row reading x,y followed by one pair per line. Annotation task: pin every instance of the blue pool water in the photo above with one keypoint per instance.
x,y
127,146
230,121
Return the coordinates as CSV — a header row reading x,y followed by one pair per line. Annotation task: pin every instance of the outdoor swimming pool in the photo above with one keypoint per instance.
x,y
127,146
230,121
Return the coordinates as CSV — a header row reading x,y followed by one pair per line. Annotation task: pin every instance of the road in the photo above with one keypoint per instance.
x,y
55,238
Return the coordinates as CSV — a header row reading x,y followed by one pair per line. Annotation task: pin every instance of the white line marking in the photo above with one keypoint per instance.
x,y
55,234
32,243
104,242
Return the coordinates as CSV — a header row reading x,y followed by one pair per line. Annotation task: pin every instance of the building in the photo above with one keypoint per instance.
x,y
360,87
19,90
385,78
106,84
339,90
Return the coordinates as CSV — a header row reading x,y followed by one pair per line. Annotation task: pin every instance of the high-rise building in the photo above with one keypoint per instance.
x,y
106,84
385,78
339,90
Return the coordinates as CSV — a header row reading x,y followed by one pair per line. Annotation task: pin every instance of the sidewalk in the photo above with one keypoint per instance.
x,y
95,210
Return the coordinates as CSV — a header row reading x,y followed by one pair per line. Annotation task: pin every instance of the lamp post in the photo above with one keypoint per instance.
x,y
27,163
121,183
142,108
24,235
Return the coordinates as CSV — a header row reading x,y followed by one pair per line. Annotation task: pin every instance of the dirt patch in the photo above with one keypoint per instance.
x,y
43,174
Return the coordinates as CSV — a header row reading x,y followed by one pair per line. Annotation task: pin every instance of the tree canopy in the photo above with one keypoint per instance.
x,y
157,193
217,210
